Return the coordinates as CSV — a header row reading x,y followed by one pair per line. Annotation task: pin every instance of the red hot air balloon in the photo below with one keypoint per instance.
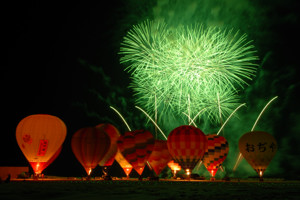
x,y
114,135
258,148
187,145
160,156
39,137
136,147
90,145
215,153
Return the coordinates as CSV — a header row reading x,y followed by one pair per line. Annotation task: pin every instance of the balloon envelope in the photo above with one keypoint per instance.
x,y
258,148
187,145
160,156
89,146
114,135
126,166
136,146
215,153
39,137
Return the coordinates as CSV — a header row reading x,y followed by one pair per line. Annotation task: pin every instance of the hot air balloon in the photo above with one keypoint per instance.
x,y
136,146
215,153
258,148
187,145
109,158
126,166
175,167
39,137
89,146
114,135
160,156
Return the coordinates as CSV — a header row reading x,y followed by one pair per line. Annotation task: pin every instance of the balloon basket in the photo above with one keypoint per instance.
x,y
212,179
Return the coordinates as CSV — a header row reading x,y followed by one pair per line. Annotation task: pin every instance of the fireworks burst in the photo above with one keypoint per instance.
x,y
188,67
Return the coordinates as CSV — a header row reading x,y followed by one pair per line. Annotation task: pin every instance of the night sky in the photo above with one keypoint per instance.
x,y
57,54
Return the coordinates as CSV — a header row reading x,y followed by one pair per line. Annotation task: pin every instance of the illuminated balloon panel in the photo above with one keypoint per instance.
x,y
187,145
126,166
160,156
215,153
114,135
89,146
136,146
39,137
258,148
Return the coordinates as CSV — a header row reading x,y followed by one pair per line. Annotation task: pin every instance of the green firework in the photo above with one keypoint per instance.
x,y
188,68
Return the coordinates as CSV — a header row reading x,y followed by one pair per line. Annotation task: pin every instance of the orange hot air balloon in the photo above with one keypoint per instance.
x,y
187,145
39,138
89,146
136,147
160,156
215,153
126,166
258,148
114,135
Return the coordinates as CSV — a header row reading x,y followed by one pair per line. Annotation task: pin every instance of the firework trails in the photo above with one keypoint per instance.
x,y
188,68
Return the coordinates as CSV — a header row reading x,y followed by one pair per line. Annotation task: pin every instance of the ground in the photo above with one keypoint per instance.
x,y
120,189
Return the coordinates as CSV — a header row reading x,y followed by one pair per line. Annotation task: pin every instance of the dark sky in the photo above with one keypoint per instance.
x,y
44,43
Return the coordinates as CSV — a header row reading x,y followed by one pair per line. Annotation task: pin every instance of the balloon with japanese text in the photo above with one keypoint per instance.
x,y
89,146
187,145
215,153
136,146
258,148
39,137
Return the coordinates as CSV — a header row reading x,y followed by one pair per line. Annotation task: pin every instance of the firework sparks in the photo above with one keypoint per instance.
x,y
187,67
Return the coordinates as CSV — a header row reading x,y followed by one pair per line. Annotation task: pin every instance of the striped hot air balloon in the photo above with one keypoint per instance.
x,y
160,156
258,148
89,146
136,146
187,145
215,153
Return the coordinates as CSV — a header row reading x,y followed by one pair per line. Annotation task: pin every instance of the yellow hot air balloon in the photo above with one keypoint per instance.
x,y
39,137
258,148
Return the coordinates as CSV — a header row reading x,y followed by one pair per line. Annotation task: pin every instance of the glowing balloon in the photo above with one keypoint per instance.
x,y
89,146
187,145
136,147
126,166
39,137
114,135
258,148
160,156
215,153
